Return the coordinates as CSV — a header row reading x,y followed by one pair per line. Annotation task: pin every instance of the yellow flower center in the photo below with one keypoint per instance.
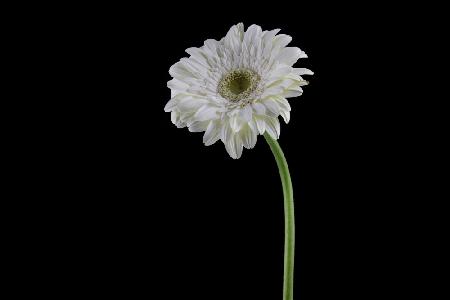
x,y
238,84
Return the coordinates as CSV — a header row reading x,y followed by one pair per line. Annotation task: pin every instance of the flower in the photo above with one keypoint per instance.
x,y
235,88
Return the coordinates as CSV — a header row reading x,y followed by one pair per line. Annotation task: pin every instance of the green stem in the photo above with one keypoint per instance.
x,y
289,222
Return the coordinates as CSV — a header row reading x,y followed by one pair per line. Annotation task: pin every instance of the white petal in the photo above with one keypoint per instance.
x,y
252,33
198,70
210,48
248,137
302,83
273,90
206,113
198,56
272,106
234,146
259,108
187,118
190,104
199,126
253,126
290,55
267,41
246,113
174,117
212,133
294,76
260,124
178,70
282,40
280,71
176,120
234,37
283,103
293,92
273,127
281,84
225,132
178,85
286,115
238,145
236,123
171,104
302,71
211,44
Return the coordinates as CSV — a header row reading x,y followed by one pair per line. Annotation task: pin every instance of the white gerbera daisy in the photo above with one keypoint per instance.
x,y
235,88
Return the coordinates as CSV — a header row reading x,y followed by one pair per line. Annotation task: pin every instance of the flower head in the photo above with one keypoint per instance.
x,y
235,88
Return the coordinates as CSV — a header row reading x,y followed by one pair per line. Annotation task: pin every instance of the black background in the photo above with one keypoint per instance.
x,y
145,209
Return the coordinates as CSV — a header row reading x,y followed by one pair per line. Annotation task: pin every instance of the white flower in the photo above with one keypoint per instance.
x,y
235,88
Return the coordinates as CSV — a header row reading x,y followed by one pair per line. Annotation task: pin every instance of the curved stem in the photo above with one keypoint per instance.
x,y
289,222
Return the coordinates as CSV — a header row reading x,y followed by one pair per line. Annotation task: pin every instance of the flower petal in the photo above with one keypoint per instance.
x,y
225,132
199,126
286,115
293,92
260,124
280,71
212,133
171,104
267,41
234,146
206,113
272,106
236,123
233,39
259,108
273,127
273,90
290,55
190,104
282,40
302,71
178,85
176,120
246,113
178,70
252,34
283,103
248,137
